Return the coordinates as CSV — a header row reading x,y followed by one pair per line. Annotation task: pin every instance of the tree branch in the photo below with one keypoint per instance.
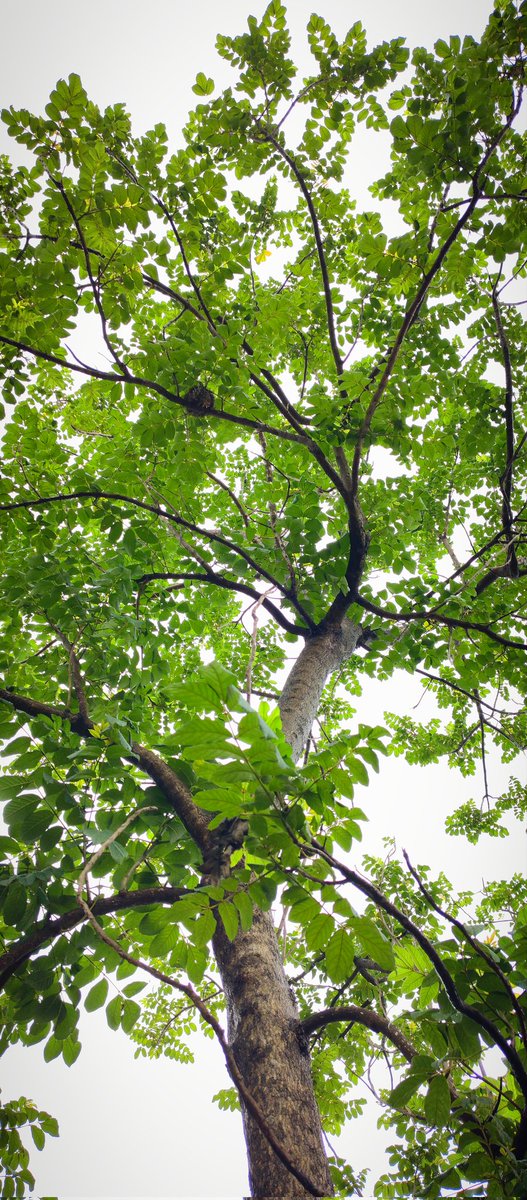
x,y
207,534
176,793
52,927
223,581
476,946
224,486
76,674
268,136
58,184
361,1016
214,414
468,1010
412,312
450,622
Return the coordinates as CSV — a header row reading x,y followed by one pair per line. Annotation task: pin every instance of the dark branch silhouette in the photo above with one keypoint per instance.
x,y
353,1013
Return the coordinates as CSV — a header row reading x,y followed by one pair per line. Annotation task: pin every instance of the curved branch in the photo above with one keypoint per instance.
x,y
450,622
76,674
225,487
413,310
58,184
511,451
475,945
361,1016
456,687
207,534
468,1010
268,136
280,400
493,541
214,414
231,585
504,572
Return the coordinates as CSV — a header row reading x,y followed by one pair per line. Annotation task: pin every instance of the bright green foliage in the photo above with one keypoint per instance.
x,y
15,1176
218,373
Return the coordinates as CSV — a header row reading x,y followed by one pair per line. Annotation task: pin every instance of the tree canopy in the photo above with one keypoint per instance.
x,y
241,418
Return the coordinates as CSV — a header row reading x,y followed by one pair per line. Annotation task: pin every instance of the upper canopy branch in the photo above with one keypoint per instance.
x,y
450,622
233,585
94,284
511,568
176,793
207,534
203,312
413,310
267,134
76,674
149,384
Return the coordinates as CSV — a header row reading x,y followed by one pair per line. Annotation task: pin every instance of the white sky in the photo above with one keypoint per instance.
x,y
143,1129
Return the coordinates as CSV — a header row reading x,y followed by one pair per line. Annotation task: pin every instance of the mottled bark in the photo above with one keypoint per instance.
x,y
300,698
263,1022
264,1033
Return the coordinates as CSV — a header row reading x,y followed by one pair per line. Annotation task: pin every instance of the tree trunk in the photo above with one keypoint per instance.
x,y
263,1022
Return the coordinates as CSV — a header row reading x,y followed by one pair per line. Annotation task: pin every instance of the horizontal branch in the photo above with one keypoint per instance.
x,y
352,1013
450,622
52,927
214,414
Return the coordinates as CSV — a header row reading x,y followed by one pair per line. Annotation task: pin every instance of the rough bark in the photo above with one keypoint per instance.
x,y
264,1033
263,1022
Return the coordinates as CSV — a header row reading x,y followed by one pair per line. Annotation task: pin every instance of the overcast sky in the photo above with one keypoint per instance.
x,y
132,1129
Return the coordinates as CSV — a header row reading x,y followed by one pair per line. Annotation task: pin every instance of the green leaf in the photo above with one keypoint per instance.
x,y
38,1136
404,1091
15,903
113,1012
70,1051
244,905
52,1049
318,932
373,943
203,929
340,954
229,918
96,996
437,1101
203,86
164,941
130,1014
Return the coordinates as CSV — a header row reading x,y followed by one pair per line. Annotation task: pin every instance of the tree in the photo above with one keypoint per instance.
x,y
223,446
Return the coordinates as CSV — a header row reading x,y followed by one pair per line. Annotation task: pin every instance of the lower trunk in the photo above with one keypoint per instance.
x,y
263,1023
263,1033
